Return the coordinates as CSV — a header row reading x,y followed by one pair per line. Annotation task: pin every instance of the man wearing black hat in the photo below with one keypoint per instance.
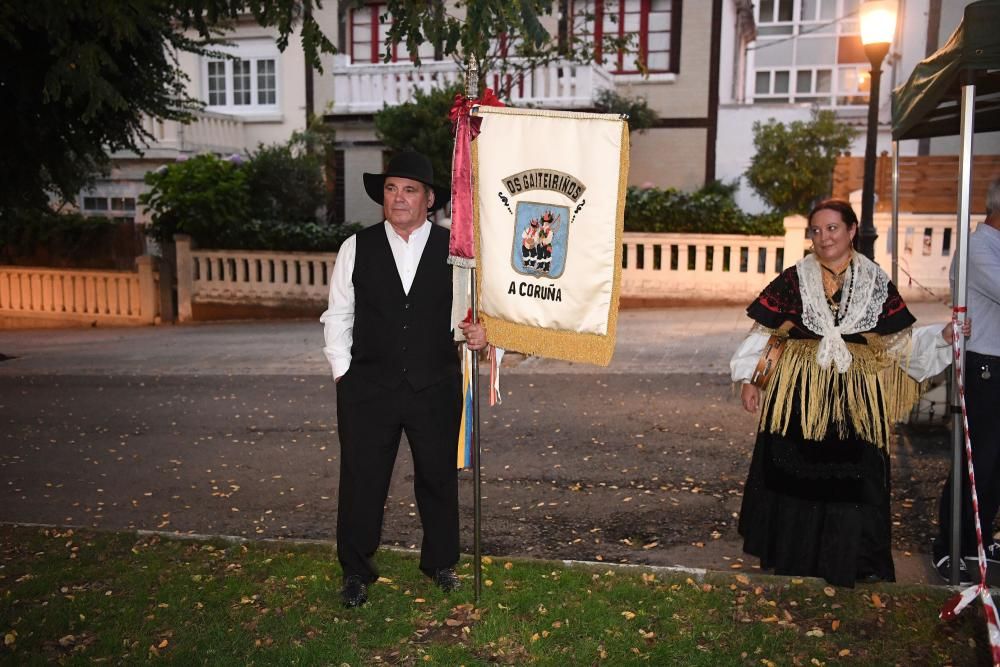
x,y
389,342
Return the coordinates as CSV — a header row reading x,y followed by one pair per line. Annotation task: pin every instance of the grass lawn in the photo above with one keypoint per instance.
x,y
122,598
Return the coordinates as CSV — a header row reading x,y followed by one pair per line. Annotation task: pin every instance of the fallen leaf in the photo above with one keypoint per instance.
x,y
628,615
743,579
834,625
877,601
829,591
844,652
815,632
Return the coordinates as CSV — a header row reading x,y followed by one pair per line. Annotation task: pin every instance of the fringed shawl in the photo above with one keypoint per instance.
x,y
872,395
867,398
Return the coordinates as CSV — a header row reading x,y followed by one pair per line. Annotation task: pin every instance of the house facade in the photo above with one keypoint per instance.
x,y
808,55
265,94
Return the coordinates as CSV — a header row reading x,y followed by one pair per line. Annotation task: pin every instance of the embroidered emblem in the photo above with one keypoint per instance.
x,y
541,234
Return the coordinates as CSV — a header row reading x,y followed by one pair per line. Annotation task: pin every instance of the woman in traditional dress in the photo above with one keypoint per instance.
x,y
816,501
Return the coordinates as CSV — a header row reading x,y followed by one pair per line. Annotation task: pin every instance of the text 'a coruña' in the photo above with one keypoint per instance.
x,y
535,291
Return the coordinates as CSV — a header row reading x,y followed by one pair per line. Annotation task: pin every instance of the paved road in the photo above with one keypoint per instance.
x,y
674,340
230,428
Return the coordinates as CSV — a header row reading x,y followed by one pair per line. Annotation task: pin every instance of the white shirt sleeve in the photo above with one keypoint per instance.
x,y
747,355
930,353
338,319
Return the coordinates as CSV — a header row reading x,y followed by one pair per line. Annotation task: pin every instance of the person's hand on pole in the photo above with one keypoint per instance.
x,y
475,334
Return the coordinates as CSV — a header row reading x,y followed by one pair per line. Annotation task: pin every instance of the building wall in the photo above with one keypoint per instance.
x,y
266,128
668,158
735,139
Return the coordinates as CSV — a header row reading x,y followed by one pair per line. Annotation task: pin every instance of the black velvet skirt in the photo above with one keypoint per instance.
x,y
818,508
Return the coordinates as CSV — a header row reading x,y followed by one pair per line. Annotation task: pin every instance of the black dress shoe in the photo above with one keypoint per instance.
x,y
355,591
446,579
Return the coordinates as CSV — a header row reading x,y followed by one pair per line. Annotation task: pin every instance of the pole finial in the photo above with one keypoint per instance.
x,y
471,77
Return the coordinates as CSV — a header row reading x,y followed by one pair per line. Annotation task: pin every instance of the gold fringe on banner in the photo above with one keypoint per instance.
x,y
559,344
870,397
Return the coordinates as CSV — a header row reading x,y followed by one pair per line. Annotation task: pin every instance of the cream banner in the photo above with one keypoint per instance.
x,y
549,197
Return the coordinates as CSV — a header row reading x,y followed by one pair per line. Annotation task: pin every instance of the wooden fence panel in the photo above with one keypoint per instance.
x,y
927,183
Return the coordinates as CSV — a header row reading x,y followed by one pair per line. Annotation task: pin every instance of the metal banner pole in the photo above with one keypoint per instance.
x,y
894,234
959,296
471,92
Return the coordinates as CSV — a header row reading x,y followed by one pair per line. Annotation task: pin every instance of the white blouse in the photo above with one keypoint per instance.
x,y
930,354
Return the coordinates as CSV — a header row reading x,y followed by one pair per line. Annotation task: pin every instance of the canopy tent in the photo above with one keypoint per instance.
x,y
929,103
955,91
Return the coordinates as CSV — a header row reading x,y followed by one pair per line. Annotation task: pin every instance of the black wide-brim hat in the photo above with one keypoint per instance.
x,y
412,165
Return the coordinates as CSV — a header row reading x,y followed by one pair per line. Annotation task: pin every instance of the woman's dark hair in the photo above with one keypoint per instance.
x,y
847,214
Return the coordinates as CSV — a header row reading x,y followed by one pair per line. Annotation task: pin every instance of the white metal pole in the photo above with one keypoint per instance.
x,y
894,234
959,295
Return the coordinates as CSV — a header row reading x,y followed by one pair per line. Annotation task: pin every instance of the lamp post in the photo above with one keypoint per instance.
x,y
878,23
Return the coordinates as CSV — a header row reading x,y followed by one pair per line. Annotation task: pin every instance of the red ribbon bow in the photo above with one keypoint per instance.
x,y
465,127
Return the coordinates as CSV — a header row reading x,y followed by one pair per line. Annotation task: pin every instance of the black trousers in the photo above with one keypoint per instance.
x,y
371,424
982,402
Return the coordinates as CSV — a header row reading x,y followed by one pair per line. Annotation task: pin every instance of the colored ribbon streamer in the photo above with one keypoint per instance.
x,y
464,454
496,357
954,606
465,127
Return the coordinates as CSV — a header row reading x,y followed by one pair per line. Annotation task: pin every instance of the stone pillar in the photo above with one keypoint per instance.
x,y
795,239
185,277
148,295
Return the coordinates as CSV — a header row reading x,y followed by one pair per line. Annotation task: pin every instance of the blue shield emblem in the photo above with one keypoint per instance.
x,y
541,233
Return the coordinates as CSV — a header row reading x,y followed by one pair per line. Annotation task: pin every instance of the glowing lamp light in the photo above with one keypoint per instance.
x,y
878,21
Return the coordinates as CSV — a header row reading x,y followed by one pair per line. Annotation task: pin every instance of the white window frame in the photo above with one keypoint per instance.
x,y
254,51
800,30
621,64
378,20
127,210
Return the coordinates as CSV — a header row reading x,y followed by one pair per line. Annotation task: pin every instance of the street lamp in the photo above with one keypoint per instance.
x,y
878,24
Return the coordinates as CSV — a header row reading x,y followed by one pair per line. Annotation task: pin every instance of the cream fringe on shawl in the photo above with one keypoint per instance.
x,y
871,396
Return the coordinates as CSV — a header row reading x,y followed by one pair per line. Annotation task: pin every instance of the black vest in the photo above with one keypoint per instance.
x,y
399,336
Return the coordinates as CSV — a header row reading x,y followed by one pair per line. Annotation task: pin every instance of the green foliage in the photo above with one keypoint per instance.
x,y
267,203
78,76
284,181
286,236
640,116
421,125
710,210
464,28
204,196
39,237
793,165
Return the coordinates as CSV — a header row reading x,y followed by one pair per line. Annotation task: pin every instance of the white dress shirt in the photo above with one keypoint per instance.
x,y
338,319
984,290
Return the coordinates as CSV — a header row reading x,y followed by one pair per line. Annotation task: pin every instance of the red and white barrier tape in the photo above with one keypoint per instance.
x,y
961,600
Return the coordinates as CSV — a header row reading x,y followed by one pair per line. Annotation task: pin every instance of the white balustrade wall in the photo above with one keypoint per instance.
x,y
72,295
735,268
207,131
368,87
691,266
249,277
658,267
